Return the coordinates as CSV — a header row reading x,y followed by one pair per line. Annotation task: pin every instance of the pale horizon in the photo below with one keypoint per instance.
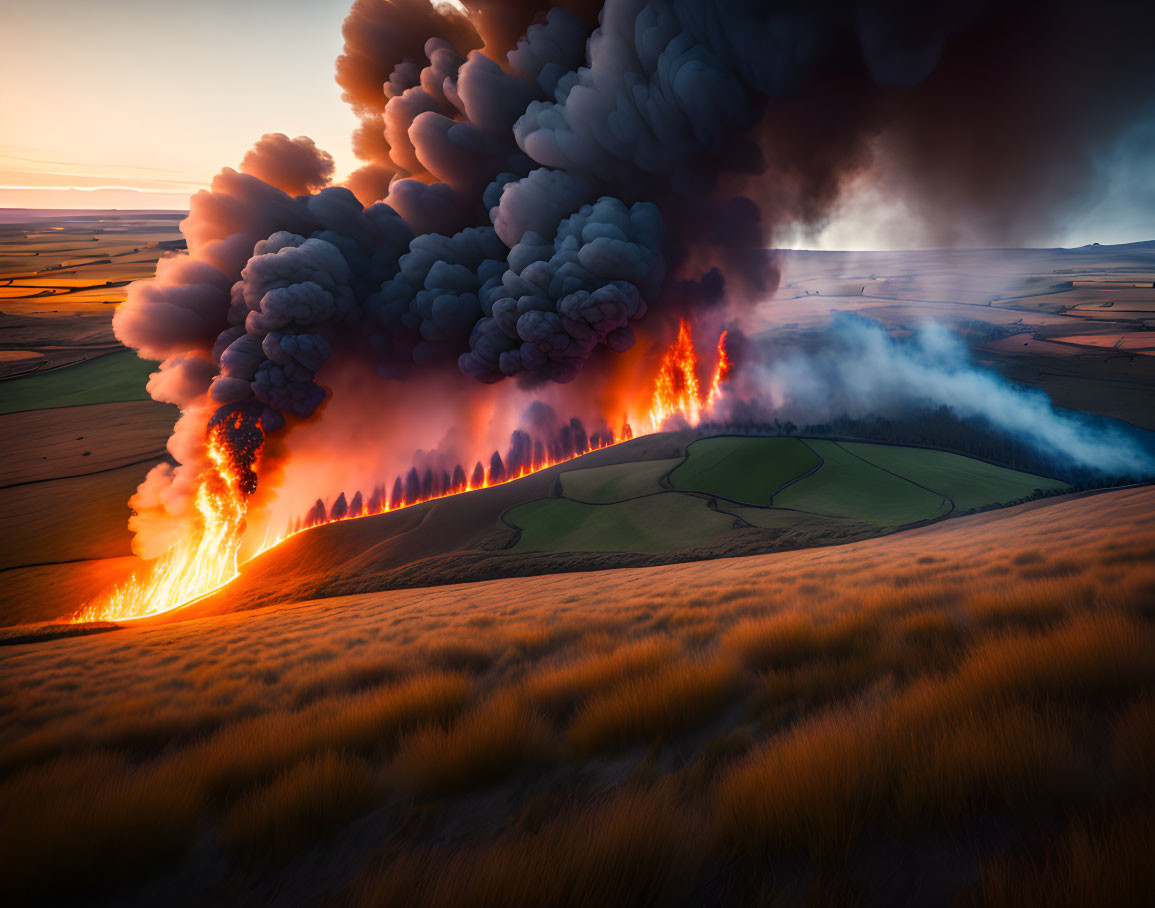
x,y
161,96
138,105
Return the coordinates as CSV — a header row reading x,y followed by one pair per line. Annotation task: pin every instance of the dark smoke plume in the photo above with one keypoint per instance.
x,y
542,179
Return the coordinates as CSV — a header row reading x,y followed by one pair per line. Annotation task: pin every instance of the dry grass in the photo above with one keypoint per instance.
x,y
301,805
597,741
811,789
1009,757
815,684
1094,863
559,690
656,706
780,641
938,631
247,752
88,822
345,675
1092,656
490,741
634,848
1133,747
1028,603
980,736
816,787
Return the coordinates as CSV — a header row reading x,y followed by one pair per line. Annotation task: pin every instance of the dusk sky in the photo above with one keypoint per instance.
x,y
153,98
134,104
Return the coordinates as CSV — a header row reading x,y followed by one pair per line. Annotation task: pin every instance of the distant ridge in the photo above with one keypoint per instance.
x,y
9,215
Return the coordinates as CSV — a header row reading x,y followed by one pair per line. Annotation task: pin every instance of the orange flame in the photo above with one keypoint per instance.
x,y
721,373
196,565
676,388
488,481
207,558
676,385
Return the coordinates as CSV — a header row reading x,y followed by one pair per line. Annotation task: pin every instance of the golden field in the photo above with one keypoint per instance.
x,y
963,711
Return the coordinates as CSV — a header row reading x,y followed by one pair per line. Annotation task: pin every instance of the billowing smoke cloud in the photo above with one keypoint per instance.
x,y
860,370
294,166
545,180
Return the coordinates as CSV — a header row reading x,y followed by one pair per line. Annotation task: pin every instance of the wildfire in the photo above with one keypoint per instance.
x,y
676,388
481,479
196,565
721,373
208,558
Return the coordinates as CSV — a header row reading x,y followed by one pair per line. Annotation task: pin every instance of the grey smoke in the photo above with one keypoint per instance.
x,y
543,179
860,370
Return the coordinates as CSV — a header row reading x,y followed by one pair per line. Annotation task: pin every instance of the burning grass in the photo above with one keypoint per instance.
x,y
732,730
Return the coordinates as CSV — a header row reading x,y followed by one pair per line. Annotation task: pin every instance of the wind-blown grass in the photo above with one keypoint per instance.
x,y
730,731
300,806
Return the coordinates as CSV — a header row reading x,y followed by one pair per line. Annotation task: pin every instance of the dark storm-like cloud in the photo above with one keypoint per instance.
x,y
542,180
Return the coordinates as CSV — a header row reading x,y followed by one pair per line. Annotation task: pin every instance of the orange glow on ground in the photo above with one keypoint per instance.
x,y
207,559
203,561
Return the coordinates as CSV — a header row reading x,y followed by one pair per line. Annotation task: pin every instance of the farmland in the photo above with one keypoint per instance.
x,y
761,666
725,483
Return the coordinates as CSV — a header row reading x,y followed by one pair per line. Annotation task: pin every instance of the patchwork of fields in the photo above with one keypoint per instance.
x,y
725,483
424,708
78,431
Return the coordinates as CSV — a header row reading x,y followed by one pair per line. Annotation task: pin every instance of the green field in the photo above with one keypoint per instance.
x,y
775,518
848,486
604,485
968,482
666,522
748,470
105,379
624,507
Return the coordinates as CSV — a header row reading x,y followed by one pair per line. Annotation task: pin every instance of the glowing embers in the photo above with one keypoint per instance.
x,y
677,390
208,557
417,489
205,559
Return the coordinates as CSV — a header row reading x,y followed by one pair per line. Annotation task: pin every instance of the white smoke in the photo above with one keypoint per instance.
x,y
860,370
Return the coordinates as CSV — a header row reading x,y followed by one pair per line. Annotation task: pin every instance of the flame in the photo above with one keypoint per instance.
x,y
676,385
208,558
487,481
676,388
721,373
203,561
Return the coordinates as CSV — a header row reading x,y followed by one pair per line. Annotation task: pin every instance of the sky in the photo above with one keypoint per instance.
x,y
138,103
153,98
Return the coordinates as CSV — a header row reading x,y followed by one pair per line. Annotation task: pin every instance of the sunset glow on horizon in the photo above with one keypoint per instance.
x,y
135,105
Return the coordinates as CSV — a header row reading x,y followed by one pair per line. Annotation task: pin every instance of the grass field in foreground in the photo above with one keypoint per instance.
x,y
106,379
962,715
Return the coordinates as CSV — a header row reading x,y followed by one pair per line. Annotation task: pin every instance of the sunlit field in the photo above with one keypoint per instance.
x,y
960,712
577,453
